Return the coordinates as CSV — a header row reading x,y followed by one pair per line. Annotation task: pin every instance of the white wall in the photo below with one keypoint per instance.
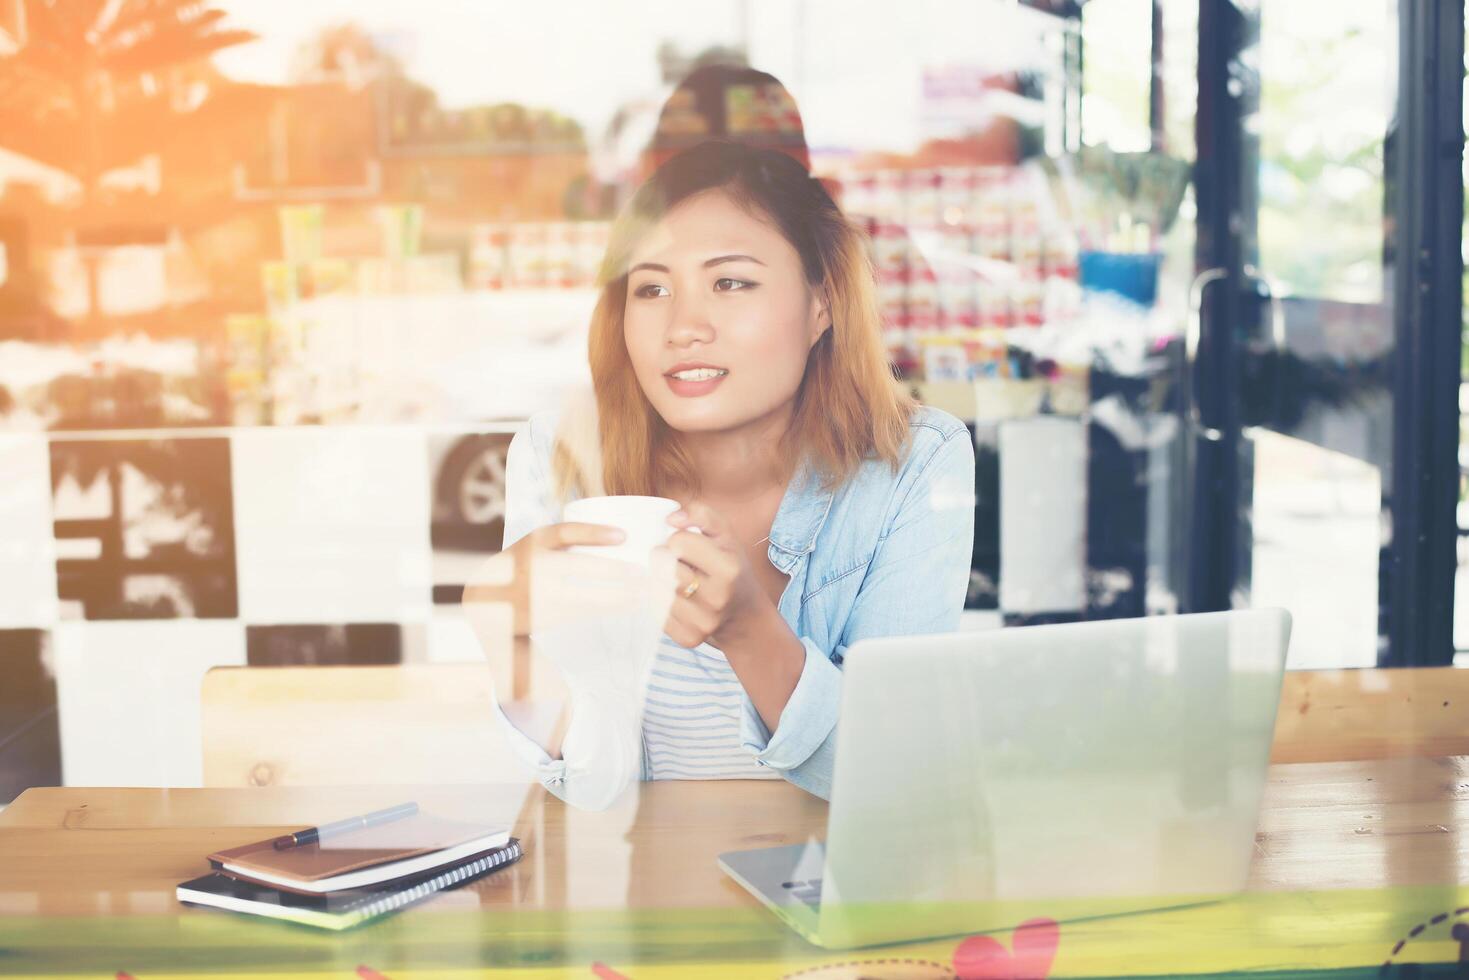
x,y
128,697
27,549
331,525
1043,495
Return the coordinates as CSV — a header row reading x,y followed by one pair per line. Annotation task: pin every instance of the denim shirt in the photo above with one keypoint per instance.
x,y
884,554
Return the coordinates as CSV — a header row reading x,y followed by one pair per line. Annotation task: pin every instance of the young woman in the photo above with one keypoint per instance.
x,y
738,367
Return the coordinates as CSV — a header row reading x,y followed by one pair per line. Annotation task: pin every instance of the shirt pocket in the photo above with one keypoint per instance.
x,y
839,578
826,608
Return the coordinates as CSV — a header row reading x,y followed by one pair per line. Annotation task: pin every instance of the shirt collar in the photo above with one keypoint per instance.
x,y
802,512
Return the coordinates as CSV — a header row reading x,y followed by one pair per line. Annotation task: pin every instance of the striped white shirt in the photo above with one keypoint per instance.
x,y
691,718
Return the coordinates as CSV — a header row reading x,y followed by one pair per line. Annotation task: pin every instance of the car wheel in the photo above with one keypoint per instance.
x,y
471,488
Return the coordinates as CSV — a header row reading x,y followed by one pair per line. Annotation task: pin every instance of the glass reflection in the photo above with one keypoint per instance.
x,y
352,266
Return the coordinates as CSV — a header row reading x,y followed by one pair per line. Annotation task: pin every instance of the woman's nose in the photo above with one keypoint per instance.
x,y
690,322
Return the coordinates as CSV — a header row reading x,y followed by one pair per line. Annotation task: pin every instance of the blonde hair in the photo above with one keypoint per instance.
x,y
847,409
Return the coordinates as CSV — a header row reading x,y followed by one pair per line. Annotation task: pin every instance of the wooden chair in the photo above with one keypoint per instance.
x,y
1342,715
423,724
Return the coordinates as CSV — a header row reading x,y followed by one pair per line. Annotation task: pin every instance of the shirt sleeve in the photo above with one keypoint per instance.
x,y
915,584
599,754
526,508
528,492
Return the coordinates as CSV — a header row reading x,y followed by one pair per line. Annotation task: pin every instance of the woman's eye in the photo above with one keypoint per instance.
x,y
728,285
650,290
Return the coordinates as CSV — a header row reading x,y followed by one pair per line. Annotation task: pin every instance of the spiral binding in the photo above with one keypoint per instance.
x,y
376,906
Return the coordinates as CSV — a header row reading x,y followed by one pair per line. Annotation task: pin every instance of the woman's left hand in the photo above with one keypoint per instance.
x,y
728,599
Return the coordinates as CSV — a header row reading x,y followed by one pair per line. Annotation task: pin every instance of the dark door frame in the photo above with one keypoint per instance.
x,y
1225,244
1424,218
1425,149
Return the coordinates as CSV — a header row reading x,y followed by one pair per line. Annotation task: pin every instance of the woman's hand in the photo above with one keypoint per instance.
x,y
727,603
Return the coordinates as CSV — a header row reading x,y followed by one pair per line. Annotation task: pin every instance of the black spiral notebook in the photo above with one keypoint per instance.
x,y
344,908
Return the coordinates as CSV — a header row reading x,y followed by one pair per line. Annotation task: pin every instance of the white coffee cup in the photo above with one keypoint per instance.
x,y
643,519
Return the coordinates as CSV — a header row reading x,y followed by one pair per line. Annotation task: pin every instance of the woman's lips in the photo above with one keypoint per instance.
x,y
692,389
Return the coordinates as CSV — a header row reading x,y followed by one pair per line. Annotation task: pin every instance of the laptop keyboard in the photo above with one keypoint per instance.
x,y
807,891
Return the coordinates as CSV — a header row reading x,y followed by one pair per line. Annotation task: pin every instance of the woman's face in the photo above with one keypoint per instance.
x,y
720,318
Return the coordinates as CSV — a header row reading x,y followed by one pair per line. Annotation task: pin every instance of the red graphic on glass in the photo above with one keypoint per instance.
x,y
1033,948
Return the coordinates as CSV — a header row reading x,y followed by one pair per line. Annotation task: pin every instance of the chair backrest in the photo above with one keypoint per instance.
x,y
338,726
1339,715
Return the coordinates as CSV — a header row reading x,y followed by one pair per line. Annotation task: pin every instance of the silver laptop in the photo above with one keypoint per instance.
x,y
1064,772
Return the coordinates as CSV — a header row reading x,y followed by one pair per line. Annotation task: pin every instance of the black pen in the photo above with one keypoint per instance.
x,y
312,835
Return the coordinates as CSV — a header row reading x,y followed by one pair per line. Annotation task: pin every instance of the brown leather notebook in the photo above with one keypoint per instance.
x,y
361,858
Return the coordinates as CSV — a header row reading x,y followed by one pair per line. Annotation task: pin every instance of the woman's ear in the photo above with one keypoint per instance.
x,y
820,315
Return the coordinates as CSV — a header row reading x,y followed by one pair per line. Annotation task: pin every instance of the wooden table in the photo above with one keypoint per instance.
x,y
1351,857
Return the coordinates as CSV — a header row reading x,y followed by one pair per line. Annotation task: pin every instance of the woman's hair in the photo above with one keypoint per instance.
x,y
847,409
